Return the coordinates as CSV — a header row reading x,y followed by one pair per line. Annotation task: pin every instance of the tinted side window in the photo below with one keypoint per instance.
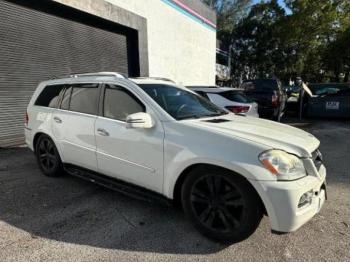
x,y
119,103
84,98
49,96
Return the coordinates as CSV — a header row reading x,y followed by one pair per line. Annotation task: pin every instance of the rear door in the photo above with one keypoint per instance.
x,y
73,124
130,154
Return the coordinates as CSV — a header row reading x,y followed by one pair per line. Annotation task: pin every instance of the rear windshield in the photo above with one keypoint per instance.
x,y
260,84
329,89
236,96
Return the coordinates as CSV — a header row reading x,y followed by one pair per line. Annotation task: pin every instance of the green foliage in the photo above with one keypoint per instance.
x,y
336,58
255,41
311,40
229,12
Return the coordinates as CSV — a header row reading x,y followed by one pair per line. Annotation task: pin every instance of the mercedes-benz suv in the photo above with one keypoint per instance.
x,y
226,170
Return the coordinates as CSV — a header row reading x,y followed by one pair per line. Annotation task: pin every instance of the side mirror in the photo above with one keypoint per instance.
x,y
139,120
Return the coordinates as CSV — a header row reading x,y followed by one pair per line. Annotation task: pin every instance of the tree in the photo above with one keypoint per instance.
x,y
229,12
336,58
310,29
256,46
305,42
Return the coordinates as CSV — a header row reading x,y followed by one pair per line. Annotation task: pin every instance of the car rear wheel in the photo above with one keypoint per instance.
x,y
221,205
48,158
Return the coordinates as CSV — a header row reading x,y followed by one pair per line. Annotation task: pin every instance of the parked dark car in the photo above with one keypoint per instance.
x,y
269,95
328,100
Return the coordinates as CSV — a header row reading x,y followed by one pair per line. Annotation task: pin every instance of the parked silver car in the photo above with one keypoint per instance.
x,y
229,98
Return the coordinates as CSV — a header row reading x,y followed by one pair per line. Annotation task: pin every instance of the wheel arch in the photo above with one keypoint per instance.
x,y
181,178
36,138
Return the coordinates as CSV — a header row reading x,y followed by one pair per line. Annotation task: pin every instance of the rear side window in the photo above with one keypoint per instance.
x,y
49,97
236,96
83,98
119,103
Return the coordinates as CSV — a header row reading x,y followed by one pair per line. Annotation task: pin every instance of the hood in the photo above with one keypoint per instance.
x,y
271,134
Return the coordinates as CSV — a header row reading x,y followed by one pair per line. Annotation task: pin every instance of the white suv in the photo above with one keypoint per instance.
x,y
226,170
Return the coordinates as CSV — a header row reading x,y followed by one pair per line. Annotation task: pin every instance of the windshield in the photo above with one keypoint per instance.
x,y
181,104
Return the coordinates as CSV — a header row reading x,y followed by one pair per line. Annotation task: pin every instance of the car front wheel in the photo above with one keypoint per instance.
x,y
221,205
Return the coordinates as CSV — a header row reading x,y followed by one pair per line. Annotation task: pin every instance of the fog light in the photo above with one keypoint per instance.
x,y
306,198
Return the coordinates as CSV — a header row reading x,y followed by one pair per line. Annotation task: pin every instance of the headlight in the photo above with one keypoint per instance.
x,y
285,166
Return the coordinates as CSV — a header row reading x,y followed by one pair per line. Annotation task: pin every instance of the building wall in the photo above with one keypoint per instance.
x,y
179,47
121,16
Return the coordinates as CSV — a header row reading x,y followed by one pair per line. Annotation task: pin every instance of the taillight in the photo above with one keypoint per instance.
x,y
26,119
274,100
238,109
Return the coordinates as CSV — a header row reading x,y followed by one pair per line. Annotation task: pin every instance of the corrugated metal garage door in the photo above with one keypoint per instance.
x,y
36,45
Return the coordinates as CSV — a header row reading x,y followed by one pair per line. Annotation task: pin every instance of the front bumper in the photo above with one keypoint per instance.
x,y
281,200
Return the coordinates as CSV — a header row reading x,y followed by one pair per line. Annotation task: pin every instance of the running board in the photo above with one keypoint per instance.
x,y
114,184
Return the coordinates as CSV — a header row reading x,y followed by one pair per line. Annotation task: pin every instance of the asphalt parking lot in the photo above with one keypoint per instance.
x,y
67,219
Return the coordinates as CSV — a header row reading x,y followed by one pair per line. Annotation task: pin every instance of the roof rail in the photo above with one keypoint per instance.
x,y
115,74
155,78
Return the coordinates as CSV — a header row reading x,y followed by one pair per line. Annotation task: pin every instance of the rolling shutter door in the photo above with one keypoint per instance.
x,y
36,46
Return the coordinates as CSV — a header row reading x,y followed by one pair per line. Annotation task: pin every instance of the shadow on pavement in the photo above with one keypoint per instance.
x,y
71,210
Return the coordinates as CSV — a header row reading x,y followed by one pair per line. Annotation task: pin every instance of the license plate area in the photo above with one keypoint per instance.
x,y
332,105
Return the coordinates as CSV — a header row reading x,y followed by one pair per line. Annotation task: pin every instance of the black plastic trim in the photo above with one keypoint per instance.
x,y
115,184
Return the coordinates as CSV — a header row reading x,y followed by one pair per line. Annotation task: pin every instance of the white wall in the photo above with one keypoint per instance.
x,y
179,47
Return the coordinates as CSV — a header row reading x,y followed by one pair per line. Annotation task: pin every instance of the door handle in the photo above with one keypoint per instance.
x,y
102,132
57,119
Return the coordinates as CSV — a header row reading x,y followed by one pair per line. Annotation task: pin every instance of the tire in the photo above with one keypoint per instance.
x,y
48,158
221,205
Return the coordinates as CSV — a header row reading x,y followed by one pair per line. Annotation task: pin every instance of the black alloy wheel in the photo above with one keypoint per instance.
x,y
222,206
217,203
47,156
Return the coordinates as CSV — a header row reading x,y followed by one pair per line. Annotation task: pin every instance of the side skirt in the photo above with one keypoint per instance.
x,y
120,186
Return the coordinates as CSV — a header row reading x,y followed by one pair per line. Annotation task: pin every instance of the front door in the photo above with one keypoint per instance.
x,y
134,155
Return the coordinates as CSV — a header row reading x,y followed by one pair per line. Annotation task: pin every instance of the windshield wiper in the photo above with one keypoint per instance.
x,y
201,116
213,115
188,117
